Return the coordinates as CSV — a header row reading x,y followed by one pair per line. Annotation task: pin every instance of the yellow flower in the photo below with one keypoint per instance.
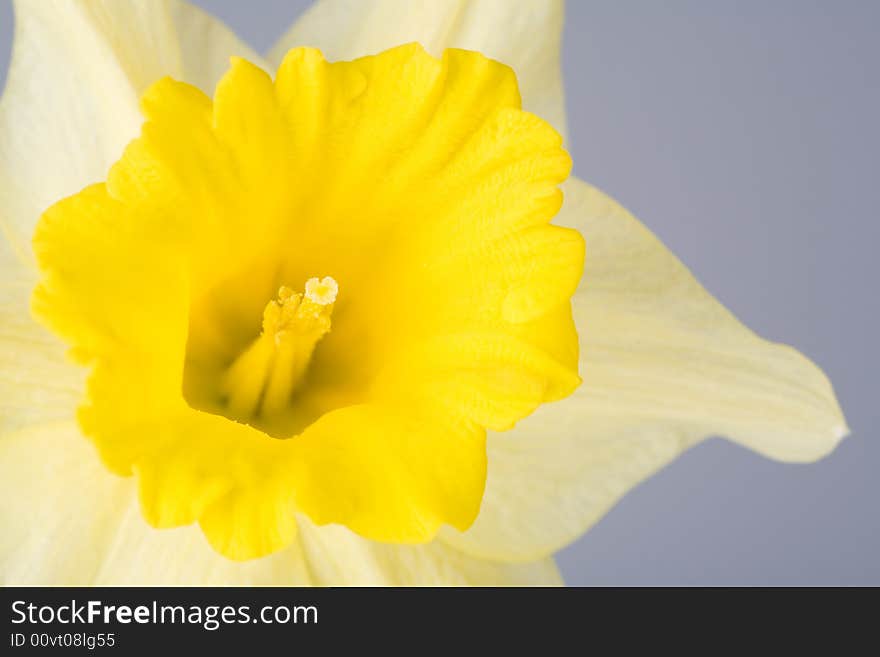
x,y
308,308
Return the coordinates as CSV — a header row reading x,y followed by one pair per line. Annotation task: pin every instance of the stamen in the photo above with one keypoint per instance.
x,y
322,292
263,379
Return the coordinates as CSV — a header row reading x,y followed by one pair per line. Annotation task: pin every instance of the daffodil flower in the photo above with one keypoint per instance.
x,y
324,317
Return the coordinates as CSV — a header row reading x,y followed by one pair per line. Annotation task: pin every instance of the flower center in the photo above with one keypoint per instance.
x,y
424,188
265,376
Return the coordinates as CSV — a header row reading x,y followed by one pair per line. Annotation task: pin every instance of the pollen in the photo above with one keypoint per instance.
x,y
322,292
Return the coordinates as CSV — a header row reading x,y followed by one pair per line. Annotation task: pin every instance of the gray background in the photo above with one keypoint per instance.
x,y
744,134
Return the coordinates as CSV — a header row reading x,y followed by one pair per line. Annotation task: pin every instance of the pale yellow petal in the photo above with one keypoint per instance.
x,y
664,365
524,34
58,506
338,557
71,100
206,45
65,520
37,381
70,106
140,555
